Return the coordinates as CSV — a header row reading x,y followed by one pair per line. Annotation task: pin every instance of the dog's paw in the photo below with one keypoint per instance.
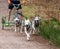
x,y
15,30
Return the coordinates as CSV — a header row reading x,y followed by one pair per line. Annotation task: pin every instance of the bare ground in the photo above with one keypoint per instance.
x,y
12,40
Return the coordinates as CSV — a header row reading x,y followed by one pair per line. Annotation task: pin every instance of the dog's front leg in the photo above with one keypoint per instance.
x,y
15,27
27,34
21,29
33,28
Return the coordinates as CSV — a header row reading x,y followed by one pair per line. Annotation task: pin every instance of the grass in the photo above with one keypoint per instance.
x,y
29,10
51,31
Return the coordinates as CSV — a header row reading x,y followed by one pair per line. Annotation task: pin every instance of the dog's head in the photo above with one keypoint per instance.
x,y
16,21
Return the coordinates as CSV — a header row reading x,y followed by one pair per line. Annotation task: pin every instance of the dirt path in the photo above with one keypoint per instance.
x,y
12,40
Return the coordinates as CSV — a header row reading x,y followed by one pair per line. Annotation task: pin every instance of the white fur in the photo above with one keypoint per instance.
x,y
17,28
33,27
27,22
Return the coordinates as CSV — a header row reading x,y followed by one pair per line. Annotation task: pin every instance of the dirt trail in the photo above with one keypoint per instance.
x,y
12,40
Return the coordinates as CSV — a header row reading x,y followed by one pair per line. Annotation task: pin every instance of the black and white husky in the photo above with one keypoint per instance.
x,y
18,24
27,28
35,24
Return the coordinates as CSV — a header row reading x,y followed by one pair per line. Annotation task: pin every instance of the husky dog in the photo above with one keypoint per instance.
x,y
18,24
27,28
35,24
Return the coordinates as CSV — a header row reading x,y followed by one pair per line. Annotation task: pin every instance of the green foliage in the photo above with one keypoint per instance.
x,y
51,30
28,11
